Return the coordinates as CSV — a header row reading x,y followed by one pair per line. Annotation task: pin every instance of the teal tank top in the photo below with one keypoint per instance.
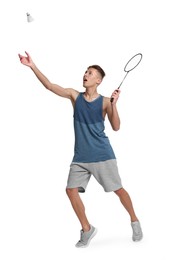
x,y
91,143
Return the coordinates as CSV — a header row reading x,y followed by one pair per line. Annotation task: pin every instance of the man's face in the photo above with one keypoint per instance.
x,y
91,78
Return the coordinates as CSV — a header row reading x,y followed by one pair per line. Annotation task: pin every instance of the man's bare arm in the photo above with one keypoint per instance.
x,y
58,90
63,92
112,112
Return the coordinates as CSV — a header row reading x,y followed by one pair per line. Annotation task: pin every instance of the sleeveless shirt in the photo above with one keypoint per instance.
x,y
91,143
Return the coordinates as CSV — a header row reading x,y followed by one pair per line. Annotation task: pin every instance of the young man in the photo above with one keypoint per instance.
x,y
93,154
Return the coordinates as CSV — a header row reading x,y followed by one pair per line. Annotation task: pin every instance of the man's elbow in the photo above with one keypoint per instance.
x,y
116,128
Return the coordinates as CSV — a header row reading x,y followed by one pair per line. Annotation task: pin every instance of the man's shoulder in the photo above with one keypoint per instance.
x,y
74,93
106,100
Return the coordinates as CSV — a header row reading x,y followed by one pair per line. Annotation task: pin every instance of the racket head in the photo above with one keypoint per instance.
x,y
133,62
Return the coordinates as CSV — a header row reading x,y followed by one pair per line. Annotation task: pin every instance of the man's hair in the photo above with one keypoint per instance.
x,y
99,69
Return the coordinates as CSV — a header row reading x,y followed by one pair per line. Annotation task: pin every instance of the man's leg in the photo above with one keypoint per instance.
x,y
88,231
78,207
127,203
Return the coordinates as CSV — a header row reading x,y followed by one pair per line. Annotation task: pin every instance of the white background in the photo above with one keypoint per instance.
x,y
36,132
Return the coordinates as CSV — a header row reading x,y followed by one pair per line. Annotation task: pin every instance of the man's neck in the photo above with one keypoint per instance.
x,y
91,94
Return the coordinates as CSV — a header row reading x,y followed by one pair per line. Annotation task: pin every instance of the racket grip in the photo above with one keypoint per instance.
x,y
111,100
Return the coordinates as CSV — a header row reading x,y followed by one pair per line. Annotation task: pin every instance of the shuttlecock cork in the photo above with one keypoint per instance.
x,y
29,18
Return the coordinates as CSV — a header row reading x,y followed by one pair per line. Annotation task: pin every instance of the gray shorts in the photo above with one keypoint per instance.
x,y
106,173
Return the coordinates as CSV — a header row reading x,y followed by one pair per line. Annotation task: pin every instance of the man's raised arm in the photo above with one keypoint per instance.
x,y
63,92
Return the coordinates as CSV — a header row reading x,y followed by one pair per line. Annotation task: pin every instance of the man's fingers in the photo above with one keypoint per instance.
x,y
116,92
27,53
20,56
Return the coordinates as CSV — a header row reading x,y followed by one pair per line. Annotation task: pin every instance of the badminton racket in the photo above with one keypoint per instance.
x,y
130,65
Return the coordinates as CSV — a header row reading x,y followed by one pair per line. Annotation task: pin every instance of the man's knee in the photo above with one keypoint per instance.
x,y
71,192
120,192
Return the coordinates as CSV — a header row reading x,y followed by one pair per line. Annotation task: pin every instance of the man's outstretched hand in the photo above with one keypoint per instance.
x,y
26,60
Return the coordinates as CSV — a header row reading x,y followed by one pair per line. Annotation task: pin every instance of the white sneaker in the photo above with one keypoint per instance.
x,y
137,231
85,237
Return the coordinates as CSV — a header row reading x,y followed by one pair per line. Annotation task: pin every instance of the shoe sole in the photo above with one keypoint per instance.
x,y
137,240
93,234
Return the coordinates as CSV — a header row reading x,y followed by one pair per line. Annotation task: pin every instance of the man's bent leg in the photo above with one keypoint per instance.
x,y
127,203
78,207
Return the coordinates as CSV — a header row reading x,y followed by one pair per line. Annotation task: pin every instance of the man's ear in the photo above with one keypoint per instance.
x,y
99,80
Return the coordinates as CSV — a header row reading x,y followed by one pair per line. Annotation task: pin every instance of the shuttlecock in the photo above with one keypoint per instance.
x,y
29,18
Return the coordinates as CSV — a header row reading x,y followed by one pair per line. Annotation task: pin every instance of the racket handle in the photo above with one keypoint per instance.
x,y
112,99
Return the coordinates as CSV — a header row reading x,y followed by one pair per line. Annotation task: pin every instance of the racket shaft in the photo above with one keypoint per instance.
x,y
111,100
122,80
